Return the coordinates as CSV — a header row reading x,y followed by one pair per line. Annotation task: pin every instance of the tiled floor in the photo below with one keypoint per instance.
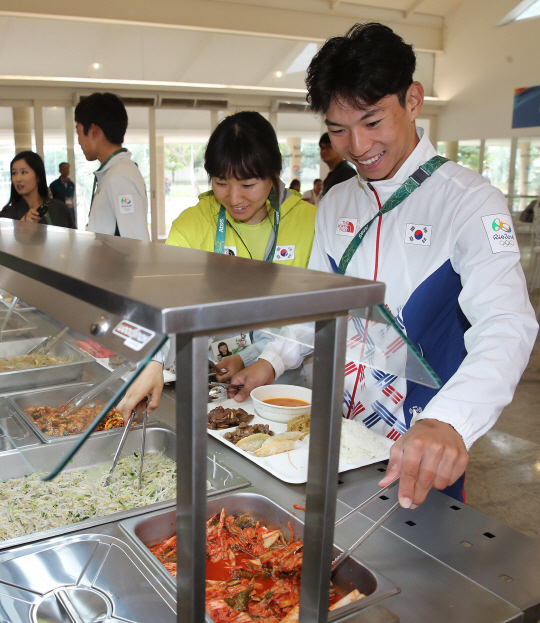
x,y
503,477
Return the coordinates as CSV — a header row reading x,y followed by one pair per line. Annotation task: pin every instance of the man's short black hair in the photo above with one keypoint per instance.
x,y
105,110
62,164
370,62
325,140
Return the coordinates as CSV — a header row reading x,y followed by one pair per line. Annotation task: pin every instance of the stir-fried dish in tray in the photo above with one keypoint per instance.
x,y
25,362
51,421
252,573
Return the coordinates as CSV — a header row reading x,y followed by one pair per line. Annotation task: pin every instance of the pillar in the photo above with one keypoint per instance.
x,y
451,148
524,163
38,129
22,128
272,117
481,156
512,173
295,167
70,146
160,186
153,175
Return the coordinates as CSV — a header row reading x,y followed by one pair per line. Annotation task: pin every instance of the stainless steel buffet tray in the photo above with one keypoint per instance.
x,y
54,397
13,429
48,375
17,325
155,527
81,579
98,451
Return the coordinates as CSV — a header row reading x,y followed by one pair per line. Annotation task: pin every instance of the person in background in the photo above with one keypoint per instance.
x,y
295,185
223,351
314,195
340,169
63,189
119,203
248,213
29,200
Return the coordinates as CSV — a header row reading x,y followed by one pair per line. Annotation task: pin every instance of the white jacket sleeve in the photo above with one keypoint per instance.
x,y
503,328
132,221
288,354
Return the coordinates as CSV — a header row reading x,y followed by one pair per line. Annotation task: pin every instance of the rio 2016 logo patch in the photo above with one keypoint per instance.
x,y
125,203
500,232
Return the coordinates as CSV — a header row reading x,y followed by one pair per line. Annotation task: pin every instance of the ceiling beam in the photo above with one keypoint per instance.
x,y
301,20
412,7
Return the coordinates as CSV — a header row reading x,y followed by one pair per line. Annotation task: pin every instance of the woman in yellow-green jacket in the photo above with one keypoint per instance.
x,y
248,213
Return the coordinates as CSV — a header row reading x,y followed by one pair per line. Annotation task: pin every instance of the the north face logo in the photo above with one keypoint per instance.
x,y
346,226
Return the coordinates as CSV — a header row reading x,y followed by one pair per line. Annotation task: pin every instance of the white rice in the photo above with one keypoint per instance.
x,y
358,443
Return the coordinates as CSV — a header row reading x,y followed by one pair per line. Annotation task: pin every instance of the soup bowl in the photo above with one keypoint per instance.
x,y
278,413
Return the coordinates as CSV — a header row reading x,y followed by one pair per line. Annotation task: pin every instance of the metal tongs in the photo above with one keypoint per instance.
x,y
44,347
343,556
142,407
84,397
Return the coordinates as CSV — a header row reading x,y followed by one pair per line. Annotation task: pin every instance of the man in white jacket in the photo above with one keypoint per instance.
x,y
444,246
119,203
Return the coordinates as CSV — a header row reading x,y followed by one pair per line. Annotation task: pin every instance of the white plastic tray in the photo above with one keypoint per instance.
x,y
290,466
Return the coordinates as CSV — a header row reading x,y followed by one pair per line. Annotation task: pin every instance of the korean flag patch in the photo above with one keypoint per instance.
x,y
418,234
284,253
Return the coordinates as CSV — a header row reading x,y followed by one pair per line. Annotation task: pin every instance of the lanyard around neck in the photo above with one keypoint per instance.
x,y
221,229
406,189
115,153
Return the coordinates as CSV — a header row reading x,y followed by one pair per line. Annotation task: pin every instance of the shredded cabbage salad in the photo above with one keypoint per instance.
x,y
29,505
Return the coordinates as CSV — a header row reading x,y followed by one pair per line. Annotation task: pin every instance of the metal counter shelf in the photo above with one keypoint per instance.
x,y
97,452
16,380
155,527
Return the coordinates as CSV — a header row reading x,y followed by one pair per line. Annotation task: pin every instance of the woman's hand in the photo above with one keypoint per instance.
x,y
231,365
150,383
31,216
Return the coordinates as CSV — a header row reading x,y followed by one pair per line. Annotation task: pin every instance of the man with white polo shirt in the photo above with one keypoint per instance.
x,y
119,203
441,238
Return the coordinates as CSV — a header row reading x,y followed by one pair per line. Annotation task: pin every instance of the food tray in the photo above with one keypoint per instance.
x,y
55,397
21,306
13,430
99,451
17,325
78,579
47,375
290,466
158,526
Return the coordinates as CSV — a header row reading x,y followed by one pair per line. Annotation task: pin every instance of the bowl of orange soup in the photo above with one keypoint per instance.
x,y
280,403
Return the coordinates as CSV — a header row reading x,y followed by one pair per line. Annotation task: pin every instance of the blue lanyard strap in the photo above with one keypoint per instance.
x,y
408,187
221,229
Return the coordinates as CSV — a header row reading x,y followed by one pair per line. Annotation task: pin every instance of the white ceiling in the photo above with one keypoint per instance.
x,y
441,8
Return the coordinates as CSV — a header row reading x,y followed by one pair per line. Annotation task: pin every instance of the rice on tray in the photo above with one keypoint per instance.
x,y
358,443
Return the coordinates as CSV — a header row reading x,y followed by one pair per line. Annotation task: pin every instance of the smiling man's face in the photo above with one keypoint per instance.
x,y
376,139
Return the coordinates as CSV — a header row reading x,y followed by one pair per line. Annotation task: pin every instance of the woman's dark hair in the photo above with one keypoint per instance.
x,y
243,146
35,162
105,110
367,64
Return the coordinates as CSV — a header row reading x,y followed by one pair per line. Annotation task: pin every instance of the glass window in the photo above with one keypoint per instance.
x,y
527,172
497,163
469,154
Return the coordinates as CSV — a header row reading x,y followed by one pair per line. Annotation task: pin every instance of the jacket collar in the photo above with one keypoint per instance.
x,y
123,155
421,154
